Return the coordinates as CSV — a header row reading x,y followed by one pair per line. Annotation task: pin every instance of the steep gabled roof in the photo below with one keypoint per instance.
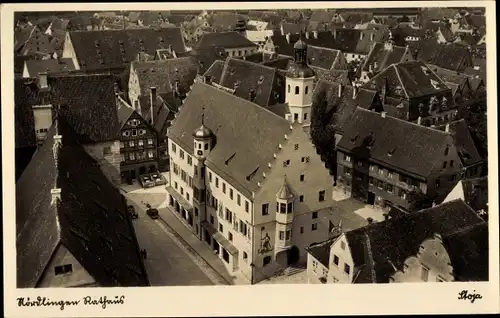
x,y
384,247
78,220
243,130
467,150
106,49
227,40
450,56
284,47
395,143
381,57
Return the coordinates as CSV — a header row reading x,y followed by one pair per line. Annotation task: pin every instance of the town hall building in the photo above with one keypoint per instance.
x,y
247,181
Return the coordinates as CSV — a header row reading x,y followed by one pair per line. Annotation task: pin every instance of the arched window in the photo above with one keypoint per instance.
x,y
296,90
289,88
307,89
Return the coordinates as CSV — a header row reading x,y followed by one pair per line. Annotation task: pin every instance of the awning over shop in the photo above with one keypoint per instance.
x,y
226,244
177,197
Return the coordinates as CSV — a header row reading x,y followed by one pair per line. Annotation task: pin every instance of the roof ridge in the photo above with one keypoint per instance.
x,y
370,255
408,122
466,229
257,106
224,69
400,80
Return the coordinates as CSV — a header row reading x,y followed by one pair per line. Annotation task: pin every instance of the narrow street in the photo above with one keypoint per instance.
x,y
167,263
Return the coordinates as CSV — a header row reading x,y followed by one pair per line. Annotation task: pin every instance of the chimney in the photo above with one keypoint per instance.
x,y
152,102
315,33
447,128
288,37
370,220
307,35
340,90
382,114
42,79
419,120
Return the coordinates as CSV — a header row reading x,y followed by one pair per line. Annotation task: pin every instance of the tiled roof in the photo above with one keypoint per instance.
x,y
124,112
163,74
370,37
293,28
407,80
279,62
321,251
245,132
206,57
380,57
321,16
256,82
340,109
450,56
324,58
214,73
284,47
223,21
119,47
37,43
78,221
57,39
401,145
447,33
258,36
50,66
391,242
476,193
88,104
227,40
467,150
347,40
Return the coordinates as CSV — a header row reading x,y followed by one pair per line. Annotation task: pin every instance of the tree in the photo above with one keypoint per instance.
x,y
418,200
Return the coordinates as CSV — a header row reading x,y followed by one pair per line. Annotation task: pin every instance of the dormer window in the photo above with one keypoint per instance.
x,y
63,269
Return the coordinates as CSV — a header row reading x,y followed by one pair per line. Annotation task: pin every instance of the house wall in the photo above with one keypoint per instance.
x,y
42,115
69,51
316,178
337,273
79,277
109,162
432,258
315,270
445,176
241,51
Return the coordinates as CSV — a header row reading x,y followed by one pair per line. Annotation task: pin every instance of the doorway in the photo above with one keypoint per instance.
x,y
293,255
371,198
133,175
142,170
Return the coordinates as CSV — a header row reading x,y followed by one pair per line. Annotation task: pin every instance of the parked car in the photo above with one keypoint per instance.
x,y
159,179
146,181
153,213
131,211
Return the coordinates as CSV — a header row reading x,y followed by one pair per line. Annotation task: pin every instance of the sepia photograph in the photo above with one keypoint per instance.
x,y
342,146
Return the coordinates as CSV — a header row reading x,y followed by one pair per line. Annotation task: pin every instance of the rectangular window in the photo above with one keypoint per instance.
x,y
315,215
301,229
296,147
231,194
321,196
122,145
216,182
444,164
229,216
195,169
288,235
122,157
212,219
342,245
266,261
132,156
370,180
381,171
182,190
314,227
134,132
221,228
238,200
265,209
151,154
230,236
301,177
389,174
150,141
282,235
347,158
63,269
390,188
131,143
181,154
347,269
336,260
223,187
424,275
301,198
190,160
247,206
303,159
140,143
210,177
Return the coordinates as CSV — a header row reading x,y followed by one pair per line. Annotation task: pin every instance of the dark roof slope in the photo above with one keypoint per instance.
x,y
88,104
396,143
407,80
79,220
106,49
214,73
285,47
391,242
206,57
467,150
382,55
244,131
50,66
450,56
256,82
227,40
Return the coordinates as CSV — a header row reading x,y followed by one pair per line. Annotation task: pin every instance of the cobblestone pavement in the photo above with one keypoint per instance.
x,y
167,263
